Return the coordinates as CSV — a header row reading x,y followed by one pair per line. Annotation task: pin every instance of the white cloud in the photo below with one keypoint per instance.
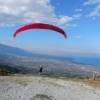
x,y
58,49
64,50
91,2
95,12
92,14
64,19
77,37
78,9
5,39
91,39
17,41
73,25
77,15
3,42
26,11
7,24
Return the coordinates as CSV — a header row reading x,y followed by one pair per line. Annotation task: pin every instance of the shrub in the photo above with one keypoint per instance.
x,y
87,77
80,77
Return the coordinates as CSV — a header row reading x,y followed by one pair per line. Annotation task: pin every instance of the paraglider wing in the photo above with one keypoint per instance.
x,y
39,26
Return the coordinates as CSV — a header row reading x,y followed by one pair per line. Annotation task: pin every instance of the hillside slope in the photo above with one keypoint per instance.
x,y
44,88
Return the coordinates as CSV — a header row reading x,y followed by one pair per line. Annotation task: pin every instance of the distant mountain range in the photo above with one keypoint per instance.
x,y
21,61
17,51
14,50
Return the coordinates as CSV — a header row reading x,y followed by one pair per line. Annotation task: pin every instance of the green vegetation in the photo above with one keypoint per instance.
x,y
9,68
80,77
41,97
87,77
5,72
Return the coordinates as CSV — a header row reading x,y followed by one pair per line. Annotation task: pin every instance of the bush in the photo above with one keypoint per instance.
x,y
5,72
80,77
87,77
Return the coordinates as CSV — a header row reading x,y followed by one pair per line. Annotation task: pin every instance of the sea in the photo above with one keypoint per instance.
x,y
88,60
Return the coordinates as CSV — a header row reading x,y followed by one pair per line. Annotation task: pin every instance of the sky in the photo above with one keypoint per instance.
x,y
80,19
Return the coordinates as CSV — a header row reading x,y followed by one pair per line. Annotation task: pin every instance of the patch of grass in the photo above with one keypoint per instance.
x,y
21,75
41,97
90,81
86,80
80,77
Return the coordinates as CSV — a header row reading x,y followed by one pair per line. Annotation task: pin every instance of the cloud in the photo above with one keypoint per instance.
x,y
26,11
77,37
91,39
64,50
89,2
6,25
64,19
95,12
58,49
73,25
17,41
3,43
92,14
78,9
77,15
5,39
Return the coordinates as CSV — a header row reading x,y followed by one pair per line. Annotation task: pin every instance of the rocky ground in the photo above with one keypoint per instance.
x,y
45,88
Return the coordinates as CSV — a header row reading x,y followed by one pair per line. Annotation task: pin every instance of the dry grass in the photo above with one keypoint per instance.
x,y
95,83
90,81
41,97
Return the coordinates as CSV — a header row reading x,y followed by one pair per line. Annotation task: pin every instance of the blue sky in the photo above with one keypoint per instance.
x,y
80,19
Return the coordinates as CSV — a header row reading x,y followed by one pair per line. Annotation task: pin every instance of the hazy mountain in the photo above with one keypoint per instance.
x,y
14,50
26,62
17,51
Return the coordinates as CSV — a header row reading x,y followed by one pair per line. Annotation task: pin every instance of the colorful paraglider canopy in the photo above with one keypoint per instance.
x,y
39,26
